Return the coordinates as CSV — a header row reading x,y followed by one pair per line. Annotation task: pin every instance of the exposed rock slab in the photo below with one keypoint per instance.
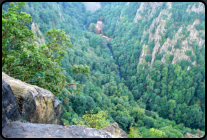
x,y
197,135
29,130
36,105
115,130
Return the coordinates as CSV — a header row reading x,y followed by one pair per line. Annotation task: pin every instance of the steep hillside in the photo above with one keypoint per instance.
x,y
159,50
161,30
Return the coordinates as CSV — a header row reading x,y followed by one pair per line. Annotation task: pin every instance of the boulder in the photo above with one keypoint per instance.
x,y
35,104
200,134
197,135
10,111
188,135
29,130
115,130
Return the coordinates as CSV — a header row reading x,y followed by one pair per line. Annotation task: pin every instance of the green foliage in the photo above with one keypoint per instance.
x,y
169,48
95,41
158,133
193,58
158,102
169,58
133,133
28,62
98,120
148,58
151,45
178,46
153,30
157,65
146,37
188,52
81,69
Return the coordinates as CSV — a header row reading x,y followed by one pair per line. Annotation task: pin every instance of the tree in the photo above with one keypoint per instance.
x,y
188,53
165,72
28,62
164,108
148,121
14,33
178,46
177,70
158,133
151,45
148,58
98,120
146,37
92,26
157,65
95,41
153,30
133,133
169,48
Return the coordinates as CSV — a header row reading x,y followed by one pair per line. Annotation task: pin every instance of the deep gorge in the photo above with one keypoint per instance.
x,y
149,79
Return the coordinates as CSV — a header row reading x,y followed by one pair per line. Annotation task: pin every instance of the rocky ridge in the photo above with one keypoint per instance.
x,y
179,54
38,35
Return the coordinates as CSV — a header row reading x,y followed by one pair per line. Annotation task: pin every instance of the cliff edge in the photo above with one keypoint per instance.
x,y
29,111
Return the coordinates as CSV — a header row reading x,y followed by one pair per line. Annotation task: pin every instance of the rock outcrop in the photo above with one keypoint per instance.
x,y
29,130
143,5
197,135
35,104
10,111
115,130
159,23
38,35
29,111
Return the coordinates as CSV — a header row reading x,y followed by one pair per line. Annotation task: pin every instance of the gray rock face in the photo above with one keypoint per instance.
x,y
10,111
115,130
29,130
36,105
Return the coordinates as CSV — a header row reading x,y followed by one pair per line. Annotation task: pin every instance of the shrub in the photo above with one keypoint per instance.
x,y
193,58
188,53
148,58
97,121
169,48
133,133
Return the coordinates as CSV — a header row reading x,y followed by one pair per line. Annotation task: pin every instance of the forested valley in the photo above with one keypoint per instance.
x,y
139,64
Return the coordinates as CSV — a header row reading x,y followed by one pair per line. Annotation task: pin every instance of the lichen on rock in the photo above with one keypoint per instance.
x,y
36,105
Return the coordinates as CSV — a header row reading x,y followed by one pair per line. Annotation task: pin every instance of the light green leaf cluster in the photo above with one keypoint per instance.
x,y
98,120
22,59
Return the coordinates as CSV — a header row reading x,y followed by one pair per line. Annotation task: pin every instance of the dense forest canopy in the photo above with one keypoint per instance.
x,y
142,65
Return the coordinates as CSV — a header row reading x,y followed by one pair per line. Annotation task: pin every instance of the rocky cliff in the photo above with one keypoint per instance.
x,y
159,24
35,104
38,35
29,111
